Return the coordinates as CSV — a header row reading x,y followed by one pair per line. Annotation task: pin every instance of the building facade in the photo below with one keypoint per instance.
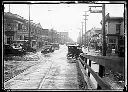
x,y
11,27
63,37
16,30
94,38
114,30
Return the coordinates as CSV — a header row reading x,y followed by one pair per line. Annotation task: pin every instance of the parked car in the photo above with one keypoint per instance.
x,y
9,50
47,49
27,48
30,49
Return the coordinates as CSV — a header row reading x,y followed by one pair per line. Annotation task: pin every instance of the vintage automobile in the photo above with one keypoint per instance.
x,y
47,49
74,51
9,50
27,48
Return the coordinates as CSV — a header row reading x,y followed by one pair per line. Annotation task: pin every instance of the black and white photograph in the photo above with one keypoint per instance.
x,y
64,45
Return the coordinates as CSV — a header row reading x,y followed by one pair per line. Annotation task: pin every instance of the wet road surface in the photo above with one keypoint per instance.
x,y
53,72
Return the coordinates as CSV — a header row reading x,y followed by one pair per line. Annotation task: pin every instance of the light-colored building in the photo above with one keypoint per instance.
x,y
114,30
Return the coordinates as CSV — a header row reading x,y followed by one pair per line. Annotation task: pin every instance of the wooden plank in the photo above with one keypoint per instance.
x,y
85,75
82,61
98,79
108,62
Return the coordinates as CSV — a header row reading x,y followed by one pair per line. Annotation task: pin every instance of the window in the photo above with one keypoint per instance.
x,y
9,26
118,28
24,27
19,26
112,40
20,37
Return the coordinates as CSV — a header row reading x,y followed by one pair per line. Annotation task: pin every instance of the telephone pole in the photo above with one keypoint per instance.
x,y
103,28
29,39
82,33
101,68
9,7
85,25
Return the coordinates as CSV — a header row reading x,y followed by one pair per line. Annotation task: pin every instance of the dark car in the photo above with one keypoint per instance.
x,y
27,48
74,51
30,49
47,49
9,50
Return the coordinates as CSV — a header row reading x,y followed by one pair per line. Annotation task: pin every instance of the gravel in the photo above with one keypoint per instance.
x,y
17,64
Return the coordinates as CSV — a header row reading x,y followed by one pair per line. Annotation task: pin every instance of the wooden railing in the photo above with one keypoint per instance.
x,y
114,64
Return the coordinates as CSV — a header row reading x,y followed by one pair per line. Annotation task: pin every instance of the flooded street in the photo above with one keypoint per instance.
x,y
53,71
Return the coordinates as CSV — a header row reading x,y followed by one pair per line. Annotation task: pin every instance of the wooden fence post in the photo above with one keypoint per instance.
x,y
101,73
90,66
85,61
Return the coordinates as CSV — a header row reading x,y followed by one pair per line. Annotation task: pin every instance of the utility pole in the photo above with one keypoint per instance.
x,y
101,68
29,42
103,28
52,35
80,38
85,25
9,7
82,34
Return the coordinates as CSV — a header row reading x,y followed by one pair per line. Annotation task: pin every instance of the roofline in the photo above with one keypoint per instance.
x,y
109,18
114,18
15,16
19,18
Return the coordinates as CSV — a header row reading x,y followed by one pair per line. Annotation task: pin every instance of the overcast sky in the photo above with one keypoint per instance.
x,y
64,17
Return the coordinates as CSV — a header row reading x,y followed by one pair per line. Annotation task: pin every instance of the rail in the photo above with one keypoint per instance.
x,y
114,64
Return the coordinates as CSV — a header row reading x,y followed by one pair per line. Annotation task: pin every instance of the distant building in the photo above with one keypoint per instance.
x,y
64,37
79,39
94,38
